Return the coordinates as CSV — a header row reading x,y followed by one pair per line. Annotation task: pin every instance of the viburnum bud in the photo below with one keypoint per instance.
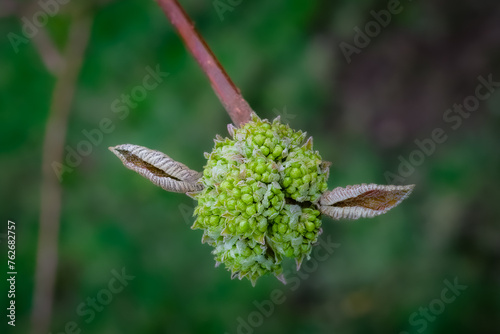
x,y
259,199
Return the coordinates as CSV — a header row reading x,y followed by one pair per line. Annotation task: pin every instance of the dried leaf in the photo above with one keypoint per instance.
x,y
159,168
365,200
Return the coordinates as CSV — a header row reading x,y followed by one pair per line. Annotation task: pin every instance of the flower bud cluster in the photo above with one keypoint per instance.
x,y
294,230
303,179
259,199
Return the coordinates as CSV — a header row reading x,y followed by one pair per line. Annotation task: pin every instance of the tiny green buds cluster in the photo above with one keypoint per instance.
x,y
260,196
302,179
295,230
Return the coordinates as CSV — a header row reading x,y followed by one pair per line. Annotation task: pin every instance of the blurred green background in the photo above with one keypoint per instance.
x,y
365,117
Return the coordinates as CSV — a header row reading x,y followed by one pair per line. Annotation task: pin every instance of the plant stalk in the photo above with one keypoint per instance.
x,y
230,96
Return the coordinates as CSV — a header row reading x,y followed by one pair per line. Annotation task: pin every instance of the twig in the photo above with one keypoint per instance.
x,y
230,96
8,8
51,57
53,149
49,54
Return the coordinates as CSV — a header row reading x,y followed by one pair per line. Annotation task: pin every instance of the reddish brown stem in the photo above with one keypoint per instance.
x,y
230,96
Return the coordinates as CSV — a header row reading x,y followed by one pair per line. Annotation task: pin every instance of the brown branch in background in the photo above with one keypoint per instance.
x,y
53,149
230,96
8,8
51,57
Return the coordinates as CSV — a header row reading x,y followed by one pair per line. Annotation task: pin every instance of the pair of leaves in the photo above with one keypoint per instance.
x,y
352,202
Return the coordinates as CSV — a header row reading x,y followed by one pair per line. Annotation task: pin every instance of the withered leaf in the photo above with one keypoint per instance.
x,y
159,168
364,200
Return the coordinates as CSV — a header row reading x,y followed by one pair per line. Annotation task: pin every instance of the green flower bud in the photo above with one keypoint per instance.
x,y
259,139
251,210
247,198
278,150
264,150
261,168
310,226
236,192
295,173
244,226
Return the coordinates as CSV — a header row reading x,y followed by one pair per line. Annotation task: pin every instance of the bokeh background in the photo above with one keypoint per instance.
x,y
365,116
